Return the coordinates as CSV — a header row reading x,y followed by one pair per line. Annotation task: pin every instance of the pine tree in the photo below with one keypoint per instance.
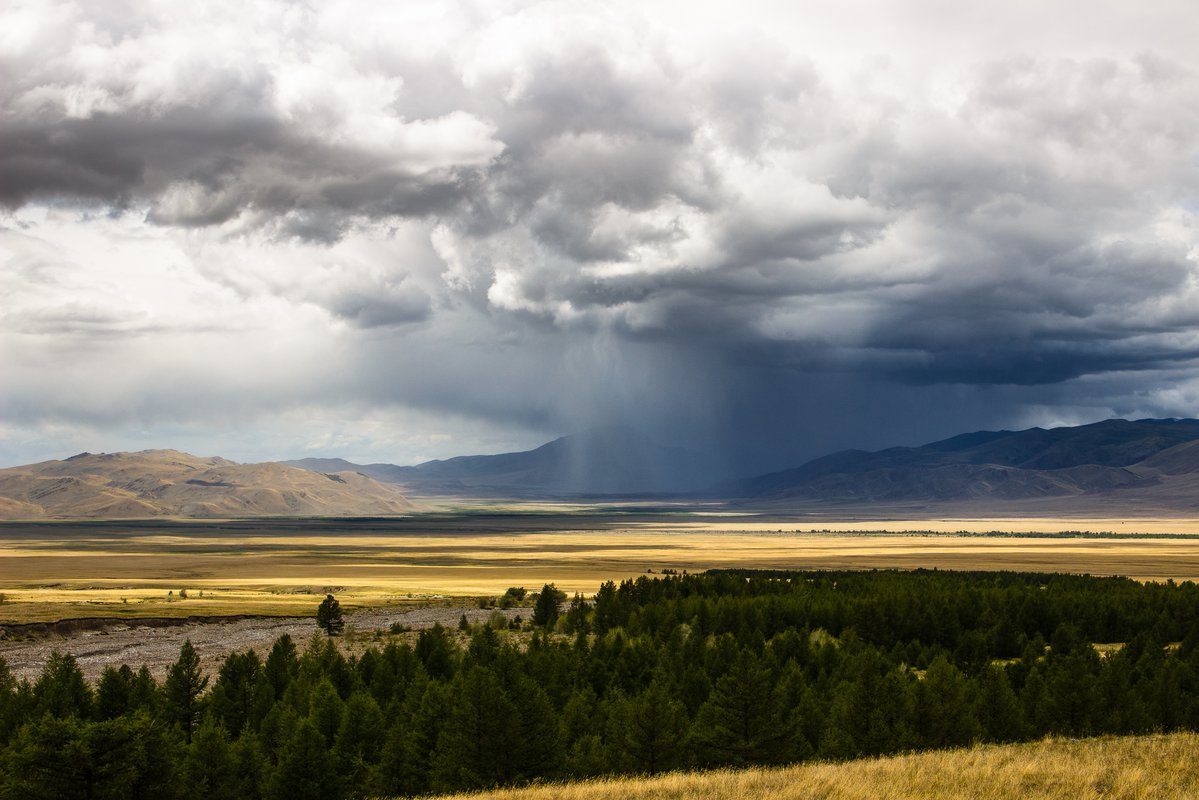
x,y
146,695
548,605
328,616
740,722
325,709
537,752
944,717
184,685
305,770
282,665
234,693
248,766
653,726
396,773
997,708
208,767
9,707
114,692
871,709
61,690
359,742
48,759
436,652
483,721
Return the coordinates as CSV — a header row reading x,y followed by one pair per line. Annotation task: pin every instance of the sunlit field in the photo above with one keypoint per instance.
x,y
61,570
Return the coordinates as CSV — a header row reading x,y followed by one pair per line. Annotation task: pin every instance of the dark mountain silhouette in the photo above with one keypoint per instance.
x,y
1115,457
602,461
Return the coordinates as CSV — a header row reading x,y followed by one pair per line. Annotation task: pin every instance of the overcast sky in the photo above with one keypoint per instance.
x,y
399,231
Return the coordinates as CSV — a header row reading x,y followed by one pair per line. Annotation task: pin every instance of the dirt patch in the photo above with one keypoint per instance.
x,y
156,642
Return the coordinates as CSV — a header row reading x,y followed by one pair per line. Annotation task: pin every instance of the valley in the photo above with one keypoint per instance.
x,y
142,568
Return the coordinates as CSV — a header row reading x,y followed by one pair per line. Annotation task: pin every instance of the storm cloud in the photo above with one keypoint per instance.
x,y
396,231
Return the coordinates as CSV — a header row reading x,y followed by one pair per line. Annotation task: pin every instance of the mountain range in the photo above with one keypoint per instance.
x,y
169,483
1110,467
600,461
1149,463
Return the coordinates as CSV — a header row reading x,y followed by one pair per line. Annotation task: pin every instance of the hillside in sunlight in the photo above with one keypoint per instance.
x,y
169,483
1160,766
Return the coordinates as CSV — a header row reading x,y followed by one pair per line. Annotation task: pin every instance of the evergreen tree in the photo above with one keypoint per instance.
x,y
427,706
483,722
305,770
114,692
9,704
652,728
803,716
944,716
1034,700
577,616
329,617
208,767
233,697
436,652
997,708
66,758
1073,691
397,772
48,760
61,690
184,685
548,605
537,748
741,721
248,767
145,694
282,665
359,742
325,709
871,710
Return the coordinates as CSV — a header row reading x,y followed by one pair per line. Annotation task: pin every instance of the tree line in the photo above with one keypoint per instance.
x,y
721,669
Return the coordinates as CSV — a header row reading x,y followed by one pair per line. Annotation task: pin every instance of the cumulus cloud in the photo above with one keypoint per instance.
x,y
546,216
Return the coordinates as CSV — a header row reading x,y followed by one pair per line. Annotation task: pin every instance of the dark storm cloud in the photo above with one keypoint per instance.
x,y
598,195
228,165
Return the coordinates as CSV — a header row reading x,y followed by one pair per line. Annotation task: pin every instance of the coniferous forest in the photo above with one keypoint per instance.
x,y
693,671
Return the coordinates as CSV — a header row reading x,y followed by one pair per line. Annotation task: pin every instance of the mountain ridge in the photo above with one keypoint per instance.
x,y
602,461
1110,457
151,483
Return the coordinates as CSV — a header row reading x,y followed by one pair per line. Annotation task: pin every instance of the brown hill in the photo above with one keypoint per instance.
x,y
169,483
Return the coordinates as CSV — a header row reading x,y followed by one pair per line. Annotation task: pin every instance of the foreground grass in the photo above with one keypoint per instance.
x,y
1110,767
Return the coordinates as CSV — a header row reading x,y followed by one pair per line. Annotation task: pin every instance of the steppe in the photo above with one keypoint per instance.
x,y
175,568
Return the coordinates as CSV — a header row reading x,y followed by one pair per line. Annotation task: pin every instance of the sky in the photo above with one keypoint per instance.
x,y
761,231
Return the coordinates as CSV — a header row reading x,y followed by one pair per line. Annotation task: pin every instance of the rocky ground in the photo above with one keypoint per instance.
x,y
158,646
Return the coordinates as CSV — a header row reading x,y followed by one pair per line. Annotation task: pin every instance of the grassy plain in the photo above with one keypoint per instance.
x,y
56,570
1139,767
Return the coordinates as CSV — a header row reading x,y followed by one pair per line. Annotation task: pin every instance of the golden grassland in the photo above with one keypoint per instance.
x,y
57,571
1135,767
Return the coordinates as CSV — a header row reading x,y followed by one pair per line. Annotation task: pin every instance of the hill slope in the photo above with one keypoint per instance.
x,y
1135,766
600,461
1151,461
170,483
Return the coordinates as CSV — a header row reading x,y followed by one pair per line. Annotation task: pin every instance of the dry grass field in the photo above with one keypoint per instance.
x,y
136,569
1130,768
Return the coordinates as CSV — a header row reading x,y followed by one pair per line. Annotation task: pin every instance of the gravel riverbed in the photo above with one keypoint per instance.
x,y
158,646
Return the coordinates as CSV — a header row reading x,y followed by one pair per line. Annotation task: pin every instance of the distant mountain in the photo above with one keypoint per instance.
x,y
169,483
1153,460
602,461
